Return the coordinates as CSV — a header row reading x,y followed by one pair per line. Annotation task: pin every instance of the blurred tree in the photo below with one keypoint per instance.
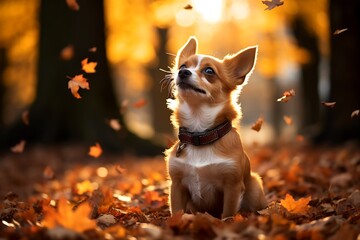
x,y
344,72
56,116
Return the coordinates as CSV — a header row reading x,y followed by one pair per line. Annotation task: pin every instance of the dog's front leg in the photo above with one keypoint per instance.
x,y
233,194
178,197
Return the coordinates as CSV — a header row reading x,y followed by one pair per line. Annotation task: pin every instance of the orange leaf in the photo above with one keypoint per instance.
x,y
288,120
77,220
77,82
329,104
355,113
84,187
95,151
67,52
72,4
88,67
19,148
140,103
296,207
287,95
115,124
257,125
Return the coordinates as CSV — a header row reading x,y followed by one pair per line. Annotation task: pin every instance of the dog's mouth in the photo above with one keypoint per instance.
x,y
187,86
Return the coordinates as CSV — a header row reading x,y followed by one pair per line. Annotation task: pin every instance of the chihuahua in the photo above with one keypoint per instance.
x,y
208,168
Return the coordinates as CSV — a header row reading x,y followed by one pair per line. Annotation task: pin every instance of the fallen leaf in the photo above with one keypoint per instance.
x,y
77,220
67,52
88,67
140,103
337,31
272,4
287,95
188,7
25,117
355,113
84,187
48,173
120,169
93,49
288,120
19,148
296,207
72,4
106,220
115,124
329,104
77,82
257,125
95,151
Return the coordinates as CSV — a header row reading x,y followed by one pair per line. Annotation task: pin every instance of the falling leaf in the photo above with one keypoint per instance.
x,y
95,151
93,49
84,187
25,117
287,95
188,7
48,173
288,120
88,67
72,4
77,220
120,169
19,148
329,104
78,82
272,4
337,31
67,52
115,124
296,207
257,125
140,103
355,113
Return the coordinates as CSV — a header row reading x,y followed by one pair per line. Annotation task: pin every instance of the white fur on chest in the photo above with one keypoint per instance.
x,y
202,189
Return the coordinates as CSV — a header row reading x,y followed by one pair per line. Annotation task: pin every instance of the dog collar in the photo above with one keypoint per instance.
x,y
206,137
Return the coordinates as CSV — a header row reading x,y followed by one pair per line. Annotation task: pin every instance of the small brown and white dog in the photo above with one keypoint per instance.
x,y
208,168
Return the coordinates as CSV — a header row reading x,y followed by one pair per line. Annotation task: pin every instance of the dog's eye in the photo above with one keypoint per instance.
x,y
209,71
182,66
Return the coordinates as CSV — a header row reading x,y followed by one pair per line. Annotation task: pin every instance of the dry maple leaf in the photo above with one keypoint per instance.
x,y
287,95
329,104
72,4
88,67
355,113
140,103
78,82
77,220
272,4
288,120
296,207
257,125
18,148
338,31
95,151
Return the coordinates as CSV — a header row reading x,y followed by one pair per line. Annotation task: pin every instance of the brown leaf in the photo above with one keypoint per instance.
x,y
272,4
329,104
296,207
67,52
73,5
88,67
188,7
288,120
337,31
257,125
95,151
355,113
287,95
18,148
77,82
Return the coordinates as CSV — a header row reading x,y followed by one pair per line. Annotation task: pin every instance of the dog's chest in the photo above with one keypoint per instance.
x,y
202,171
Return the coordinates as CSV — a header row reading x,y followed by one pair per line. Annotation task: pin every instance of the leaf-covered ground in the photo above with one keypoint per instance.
x,y
62,193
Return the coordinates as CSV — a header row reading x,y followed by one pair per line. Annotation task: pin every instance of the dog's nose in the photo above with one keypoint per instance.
x,y
184,73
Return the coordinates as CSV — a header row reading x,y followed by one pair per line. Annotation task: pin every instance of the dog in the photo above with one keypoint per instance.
x,y
208,168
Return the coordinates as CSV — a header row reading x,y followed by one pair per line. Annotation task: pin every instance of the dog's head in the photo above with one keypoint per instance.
x,y
203,78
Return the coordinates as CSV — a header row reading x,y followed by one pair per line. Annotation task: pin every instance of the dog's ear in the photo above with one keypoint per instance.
x,y
189,49
240,65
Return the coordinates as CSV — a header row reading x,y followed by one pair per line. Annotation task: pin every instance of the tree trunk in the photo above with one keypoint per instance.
x,y
344,72
56,116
